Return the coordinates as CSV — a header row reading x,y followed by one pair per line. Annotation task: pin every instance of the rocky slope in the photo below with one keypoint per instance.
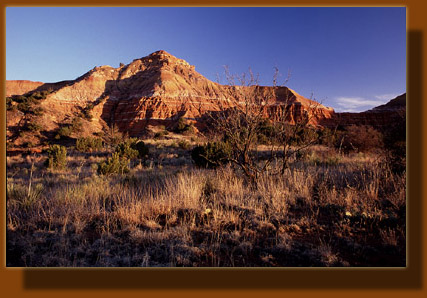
x,y
398,103
18,87
379,117
157,89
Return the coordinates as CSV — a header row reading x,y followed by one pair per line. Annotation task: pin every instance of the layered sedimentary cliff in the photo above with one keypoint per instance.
x,y
157,89
160,88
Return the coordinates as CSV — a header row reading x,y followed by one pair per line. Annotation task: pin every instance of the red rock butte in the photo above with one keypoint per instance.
x,y
156,89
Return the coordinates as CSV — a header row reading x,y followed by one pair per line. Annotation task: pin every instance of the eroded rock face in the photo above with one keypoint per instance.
x,y
379,117
19,87
157,89
160,88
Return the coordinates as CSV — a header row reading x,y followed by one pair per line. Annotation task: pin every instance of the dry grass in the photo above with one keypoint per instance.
x,y
346,211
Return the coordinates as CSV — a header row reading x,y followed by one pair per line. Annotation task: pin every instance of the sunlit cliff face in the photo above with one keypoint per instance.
x,y
156,89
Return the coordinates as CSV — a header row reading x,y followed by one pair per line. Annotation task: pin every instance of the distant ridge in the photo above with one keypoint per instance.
x,y
152,90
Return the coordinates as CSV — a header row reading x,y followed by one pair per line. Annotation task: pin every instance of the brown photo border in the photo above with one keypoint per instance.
x,y
250,282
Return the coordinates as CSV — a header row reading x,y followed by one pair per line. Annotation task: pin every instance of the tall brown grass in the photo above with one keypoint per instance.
x,y
349,211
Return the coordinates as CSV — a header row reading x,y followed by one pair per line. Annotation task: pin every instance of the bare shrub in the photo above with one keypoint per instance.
x,y
113,136
241,123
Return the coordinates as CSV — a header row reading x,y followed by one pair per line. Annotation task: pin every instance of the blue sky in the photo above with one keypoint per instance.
x,y
351,59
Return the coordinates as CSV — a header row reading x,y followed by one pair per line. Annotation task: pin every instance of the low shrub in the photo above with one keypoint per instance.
x,y
38,111
114,165
19,98
183,144
183,127
21,197
132,148
25,103
87,112
125,150
141,148
330,138
34,127
89,144
38,95
9,104
303,135
161,134
211,155
77,124
24,107
64,131
57,157
275,133
316,160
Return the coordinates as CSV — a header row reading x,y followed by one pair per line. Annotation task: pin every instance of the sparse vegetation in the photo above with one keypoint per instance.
x,y
253,192
140,147
161,134
33,127
89,144
57,157
64,131
38,111
113,136
10,105
87,112
76,125
183,144
331,205
26,103
286,132
249,177
360,139
211,155
347,213
116,164
183,127
125,150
